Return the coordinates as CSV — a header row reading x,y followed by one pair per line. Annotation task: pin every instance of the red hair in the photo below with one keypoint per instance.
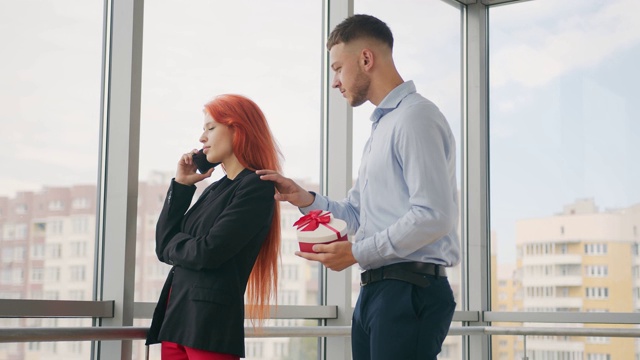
x,y
255,148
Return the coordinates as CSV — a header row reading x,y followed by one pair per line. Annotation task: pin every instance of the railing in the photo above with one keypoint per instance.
x,y
13,335
105,309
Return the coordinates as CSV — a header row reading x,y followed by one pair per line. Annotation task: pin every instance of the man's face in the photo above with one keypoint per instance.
x,y
349,77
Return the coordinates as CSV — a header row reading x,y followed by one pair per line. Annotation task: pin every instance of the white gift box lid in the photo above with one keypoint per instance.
x,y
323,233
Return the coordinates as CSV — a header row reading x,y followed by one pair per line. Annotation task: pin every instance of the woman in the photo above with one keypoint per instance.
x,y
226,243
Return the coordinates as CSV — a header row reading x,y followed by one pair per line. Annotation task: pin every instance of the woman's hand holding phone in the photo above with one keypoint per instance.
x,y
186,173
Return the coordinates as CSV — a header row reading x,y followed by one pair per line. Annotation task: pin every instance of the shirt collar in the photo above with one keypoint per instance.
x,y
393,99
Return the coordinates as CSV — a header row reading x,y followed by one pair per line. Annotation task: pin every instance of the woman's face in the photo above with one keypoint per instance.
x,y
217,140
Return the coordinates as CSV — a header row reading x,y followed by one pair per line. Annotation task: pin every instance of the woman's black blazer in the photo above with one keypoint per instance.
x,y
212,247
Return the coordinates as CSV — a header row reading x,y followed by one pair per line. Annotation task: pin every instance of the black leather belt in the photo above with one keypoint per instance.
x,y
412,272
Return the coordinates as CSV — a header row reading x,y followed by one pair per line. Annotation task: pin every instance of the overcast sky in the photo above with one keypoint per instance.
x,y
564,77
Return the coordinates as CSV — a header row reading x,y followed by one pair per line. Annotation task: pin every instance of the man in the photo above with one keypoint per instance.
x,y
403,207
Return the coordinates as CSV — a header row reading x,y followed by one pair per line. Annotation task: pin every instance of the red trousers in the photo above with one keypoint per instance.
x,y
173,351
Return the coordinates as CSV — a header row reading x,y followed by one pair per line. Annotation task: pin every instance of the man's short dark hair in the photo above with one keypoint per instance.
x,y
358,27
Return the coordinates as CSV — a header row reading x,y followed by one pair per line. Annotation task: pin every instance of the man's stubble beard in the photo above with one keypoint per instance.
x,y
360,89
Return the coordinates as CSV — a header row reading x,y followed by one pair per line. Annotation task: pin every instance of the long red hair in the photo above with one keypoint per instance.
x,y
255,148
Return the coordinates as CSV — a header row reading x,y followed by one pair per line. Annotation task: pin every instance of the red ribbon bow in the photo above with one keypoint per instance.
x,y
312,220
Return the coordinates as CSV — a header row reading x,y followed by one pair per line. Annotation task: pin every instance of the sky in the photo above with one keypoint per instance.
x,y
563,84
564,123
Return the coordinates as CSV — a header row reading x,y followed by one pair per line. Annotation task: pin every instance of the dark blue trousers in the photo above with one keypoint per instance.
x,y
396,320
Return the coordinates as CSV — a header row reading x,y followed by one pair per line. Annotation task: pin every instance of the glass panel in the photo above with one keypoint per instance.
x,y
50,94
268,51
564,193
426,50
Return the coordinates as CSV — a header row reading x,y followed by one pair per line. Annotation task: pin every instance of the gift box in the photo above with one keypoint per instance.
x,y
319,227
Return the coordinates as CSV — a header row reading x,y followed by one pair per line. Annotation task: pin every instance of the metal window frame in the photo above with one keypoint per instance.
x,y
336,180
475,203
120,139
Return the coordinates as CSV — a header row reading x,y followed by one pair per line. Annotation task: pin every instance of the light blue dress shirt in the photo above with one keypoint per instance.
x,y
404,204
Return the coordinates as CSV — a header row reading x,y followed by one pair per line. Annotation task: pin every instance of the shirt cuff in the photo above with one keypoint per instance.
x,y
366,254
319,203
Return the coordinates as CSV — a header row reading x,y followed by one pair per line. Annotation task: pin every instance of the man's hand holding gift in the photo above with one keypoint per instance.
x,y
323,238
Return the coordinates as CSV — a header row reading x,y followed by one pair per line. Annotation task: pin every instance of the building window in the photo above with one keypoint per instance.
x,y
76,294
21,209
39,228
280,349
51,295
21,231
55,251
80,203
80,225
596,270
56,205
78,248
7,255
77,273
598,340
52,274
595,249
9,231
597,293
37,251
55,227
75,347
253,349
598,357
37,275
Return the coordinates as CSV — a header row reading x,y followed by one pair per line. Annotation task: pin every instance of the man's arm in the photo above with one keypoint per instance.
x,y
336,256
426,153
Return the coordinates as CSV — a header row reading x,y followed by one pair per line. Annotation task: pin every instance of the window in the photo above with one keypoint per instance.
x,y
76,295
280,349
598,340
9,231
56,205
80,225
80,203
55,251
55,227
554,74
37,275
77,273
595,249
52,274
39,228
38,251
598,357
253,349
22,209
51,97
78,249
597,293
51,295
22,231
175,56
596,270
7,254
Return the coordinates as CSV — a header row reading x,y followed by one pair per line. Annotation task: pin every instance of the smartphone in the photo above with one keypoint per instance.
x,y
200,159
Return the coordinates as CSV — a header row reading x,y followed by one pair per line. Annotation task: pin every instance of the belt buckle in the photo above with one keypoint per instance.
x,y
365,277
